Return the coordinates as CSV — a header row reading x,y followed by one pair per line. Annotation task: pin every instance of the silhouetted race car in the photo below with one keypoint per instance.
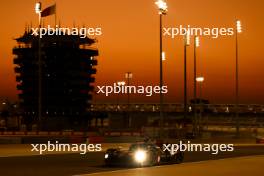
x,y
141,154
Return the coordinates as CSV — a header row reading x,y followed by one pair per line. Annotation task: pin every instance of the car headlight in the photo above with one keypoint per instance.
x,y
106,156
140,156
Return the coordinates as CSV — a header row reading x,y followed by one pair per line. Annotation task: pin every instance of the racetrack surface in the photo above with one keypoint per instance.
x,y
241,166
74,164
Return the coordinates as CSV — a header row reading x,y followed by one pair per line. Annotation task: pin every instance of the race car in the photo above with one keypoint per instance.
x,y
140,154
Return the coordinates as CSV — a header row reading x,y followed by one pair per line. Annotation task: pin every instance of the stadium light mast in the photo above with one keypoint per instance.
x,y
238,30
196,45
38,11
163,9
187,41
200,80
119,83
163,56
128,77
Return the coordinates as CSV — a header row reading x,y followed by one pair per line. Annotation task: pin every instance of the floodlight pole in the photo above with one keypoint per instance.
x,y
195,87
237,89
128,76
161,76
201,107
38,11
162,7
186,43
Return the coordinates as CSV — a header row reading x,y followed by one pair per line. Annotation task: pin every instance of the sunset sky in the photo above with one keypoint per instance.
x,y
130,42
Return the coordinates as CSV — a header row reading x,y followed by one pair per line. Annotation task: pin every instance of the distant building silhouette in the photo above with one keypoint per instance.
x,y
67,69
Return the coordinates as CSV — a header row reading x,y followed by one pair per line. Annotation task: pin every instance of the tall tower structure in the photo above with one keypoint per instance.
x,y
67,73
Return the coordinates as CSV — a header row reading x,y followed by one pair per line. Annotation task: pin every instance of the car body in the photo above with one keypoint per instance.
x,y
140,154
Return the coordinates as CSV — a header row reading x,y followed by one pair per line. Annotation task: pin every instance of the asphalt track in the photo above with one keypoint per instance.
x,y
75,164
240,166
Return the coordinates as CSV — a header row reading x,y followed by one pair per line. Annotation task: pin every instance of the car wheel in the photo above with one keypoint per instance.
x,y
153,160
178,157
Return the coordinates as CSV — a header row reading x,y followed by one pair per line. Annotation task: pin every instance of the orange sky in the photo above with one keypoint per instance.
x,y
130,43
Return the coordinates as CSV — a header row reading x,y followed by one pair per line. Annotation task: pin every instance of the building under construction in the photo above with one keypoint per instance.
x,y
54,77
